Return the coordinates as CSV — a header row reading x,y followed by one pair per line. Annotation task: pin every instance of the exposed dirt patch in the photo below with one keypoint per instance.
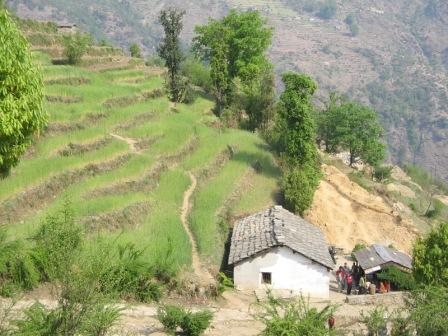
x,y
63,99
128,218
203,276
72,81
15,209
80,148
348,214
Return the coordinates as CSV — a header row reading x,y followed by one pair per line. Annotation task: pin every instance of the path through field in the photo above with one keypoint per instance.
x,y
129,141
201,272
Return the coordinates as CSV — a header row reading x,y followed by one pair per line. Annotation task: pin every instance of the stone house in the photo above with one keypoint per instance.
x,y
275,249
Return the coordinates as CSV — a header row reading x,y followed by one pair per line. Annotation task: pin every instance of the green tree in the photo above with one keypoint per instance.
x,y
327,10
430,257
170,51
135,51
75,46
235,46
296,125
349,126
297,141
21,113
428,311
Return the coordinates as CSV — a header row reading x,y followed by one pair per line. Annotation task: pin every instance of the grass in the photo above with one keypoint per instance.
x,y
159,232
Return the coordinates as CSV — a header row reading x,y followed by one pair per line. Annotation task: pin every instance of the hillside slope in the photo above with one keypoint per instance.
x,y
397,61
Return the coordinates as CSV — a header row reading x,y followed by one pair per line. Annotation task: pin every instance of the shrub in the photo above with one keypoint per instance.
x,y
354,29
402,280
224,283
428,311
135,51
382,173
327,10
75,46
282,317
171,317
375,321
437,210
194,324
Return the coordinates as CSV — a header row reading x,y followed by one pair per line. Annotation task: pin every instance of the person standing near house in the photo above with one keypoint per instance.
x,y
339,275
349,283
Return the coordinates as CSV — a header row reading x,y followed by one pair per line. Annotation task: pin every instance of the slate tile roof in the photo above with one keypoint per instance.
x,y
378,255
278,227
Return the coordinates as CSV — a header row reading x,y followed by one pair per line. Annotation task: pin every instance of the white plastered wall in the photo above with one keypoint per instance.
x,y
290,271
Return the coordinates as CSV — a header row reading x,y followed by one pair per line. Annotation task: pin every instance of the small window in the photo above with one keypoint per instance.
x,y
266,278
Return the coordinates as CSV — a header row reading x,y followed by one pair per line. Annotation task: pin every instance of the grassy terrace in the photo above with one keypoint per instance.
x,y
136,190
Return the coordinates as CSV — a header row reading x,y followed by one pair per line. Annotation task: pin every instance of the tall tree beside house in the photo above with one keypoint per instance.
x,y
21,113
235,47
170,51
297,141
349,126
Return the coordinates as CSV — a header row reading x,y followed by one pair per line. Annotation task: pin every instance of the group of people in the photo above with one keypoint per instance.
x,y
348,279
354,277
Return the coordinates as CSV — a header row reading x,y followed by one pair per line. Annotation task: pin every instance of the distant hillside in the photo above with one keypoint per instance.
x,y
393,55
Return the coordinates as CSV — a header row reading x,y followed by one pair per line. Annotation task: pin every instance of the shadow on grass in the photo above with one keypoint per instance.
x,y
262,163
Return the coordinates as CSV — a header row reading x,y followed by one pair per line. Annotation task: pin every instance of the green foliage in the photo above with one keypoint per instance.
x,y
171,317
295,123
21,95
224,283
327,9
402,280
375,321
57,243
16,267
235,47
293,317
135,51
428,311
192,324
382,173
346,125
299,185
297,141
197,73
169,50
430,260
195,324
357,247
437,210
75,46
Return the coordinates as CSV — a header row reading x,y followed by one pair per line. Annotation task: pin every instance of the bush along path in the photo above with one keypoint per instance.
x,y
204,277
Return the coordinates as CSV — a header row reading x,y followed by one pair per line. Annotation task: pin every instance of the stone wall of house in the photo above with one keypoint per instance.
x,y
289,271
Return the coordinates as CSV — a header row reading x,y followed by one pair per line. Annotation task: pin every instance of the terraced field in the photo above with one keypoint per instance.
x,y
122,154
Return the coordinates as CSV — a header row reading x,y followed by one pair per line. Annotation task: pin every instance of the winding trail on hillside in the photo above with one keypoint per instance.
x,y
201,272
131,142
